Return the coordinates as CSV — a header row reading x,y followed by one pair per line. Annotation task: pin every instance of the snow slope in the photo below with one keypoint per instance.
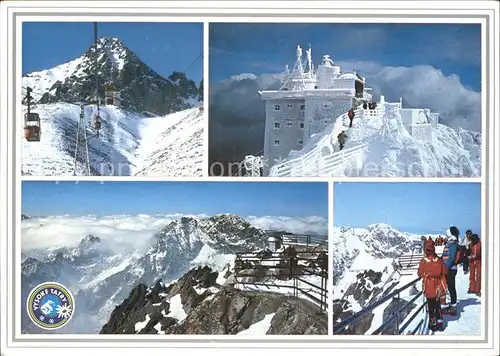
x,y
386,148
182,133
467,322
128,144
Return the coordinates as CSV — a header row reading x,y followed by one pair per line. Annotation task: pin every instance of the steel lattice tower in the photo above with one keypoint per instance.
x,y
81,145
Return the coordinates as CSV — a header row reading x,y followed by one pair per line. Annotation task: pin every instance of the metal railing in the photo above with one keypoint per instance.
x,y
395,320
316,163
274,270
308,240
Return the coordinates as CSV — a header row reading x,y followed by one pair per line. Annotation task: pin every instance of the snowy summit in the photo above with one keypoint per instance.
x,y
149,125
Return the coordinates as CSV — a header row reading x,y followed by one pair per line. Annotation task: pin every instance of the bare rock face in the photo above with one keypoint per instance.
x,y
212,309
233,311
341,310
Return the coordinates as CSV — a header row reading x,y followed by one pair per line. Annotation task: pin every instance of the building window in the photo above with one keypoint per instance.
x,y
276,142
289,123
301,125
277,125
277,107
302,107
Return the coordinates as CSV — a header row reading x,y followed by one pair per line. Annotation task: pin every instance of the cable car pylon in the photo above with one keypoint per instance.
x,y
82,148
81,143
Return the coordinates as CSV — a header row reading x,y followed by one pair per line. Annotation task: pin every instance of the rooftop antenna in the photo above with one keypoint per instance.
x,y
298,62
298,68
309,59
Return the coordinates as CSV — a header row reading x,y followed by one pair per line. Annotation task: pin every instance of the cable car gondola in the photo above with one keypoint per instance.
x,y
32,130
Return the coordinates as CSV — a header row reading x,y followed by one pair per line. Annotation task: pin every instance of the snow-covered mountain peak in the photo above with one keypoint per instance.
x,y
109,41
90,240
221,231
380,226
89,245
141,88
229,219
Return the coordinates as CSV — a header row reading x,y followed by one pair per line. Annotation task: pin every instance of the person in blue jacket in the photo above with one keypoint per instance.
x,y
449,254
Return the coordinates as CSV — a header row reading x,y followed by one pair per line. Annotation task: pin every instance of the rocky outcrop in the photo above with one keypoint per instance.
x,y
210,308
232,311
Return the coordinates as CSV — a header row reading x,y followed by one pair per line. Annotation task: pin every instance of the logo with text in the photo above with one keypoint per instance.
x,y
50,305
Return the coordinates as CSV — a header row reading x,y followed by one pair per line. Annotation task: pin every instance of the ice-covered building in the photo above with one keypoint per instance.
x,y
310,99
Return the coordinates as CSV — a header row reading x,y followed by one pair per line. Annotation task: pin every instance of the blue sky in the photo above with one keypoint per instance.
x,y
164,47
411,207
267,48
241,198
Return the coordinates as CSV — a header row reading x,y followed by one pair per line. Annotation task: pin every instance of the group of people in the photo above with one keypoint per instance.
x,y
439,273
440,240
341,137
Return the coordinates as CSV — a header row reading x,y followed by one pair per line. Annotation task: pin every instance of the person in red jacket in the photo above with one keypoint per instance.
x,y
432,270
350,114
475,265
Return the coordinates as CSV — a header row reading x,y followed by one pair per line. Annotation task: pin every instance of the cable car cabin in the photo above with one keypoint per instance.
x,y
32,131
97,123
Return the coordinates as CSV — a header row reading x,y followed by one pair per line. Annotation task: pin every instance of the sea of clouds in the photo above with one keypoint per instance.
x,y
135,232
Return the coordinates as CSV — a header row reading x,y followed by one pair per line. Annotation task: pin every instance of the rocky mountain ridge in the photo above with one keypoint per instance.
x,y
112,63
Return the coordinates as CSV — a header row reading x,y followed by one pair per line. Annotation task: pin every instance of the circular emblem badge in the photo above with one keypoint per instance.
x,y
50,305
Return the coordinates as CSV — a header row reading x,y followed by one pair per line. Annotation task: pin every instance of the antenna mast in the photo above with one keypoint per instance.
x,y
297,72
309,60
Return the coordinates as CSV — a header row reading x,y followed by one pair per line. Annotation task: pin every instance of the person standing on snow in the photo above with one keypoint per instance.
x,y
341,137
433,272
475,266
350,115
465,246
450,252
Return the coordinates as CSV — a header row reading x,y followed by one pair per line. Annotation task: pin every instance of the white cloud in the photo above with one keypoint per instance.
x,y
310,224
132,232
424,86
120,231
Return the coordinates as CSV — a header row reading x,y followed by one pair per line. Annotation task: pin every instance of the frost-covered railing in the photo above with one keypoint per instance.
x,y
395,322
316,162
322,164
293,265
